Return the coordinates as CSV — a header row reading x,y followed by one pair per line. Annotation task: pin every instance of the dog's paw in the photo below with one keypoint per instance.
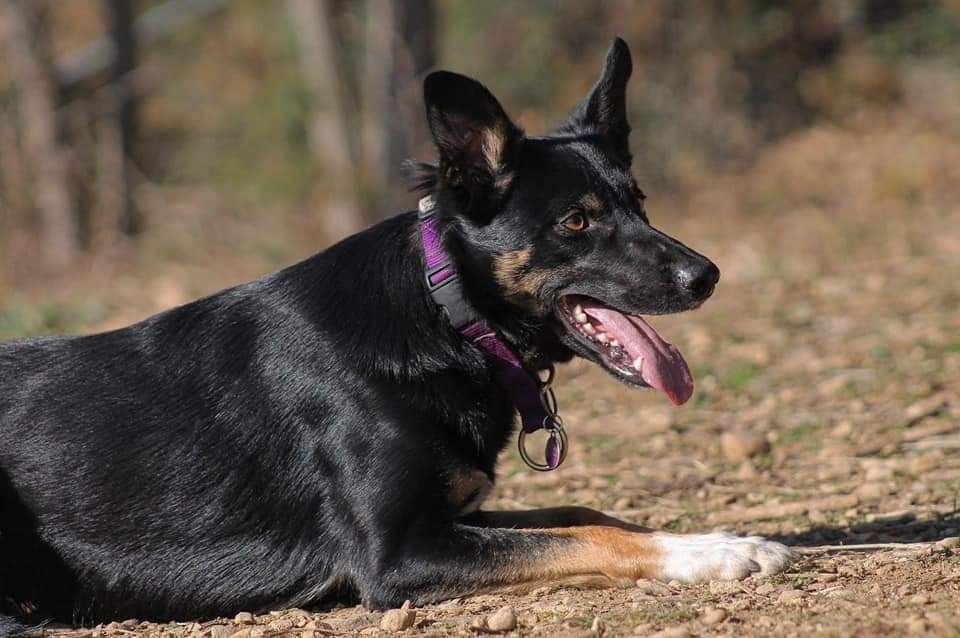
x,y
694,558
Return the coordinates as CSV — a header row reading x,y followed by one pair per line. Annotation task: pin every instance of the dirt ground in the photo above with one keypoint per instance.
x,y
826,415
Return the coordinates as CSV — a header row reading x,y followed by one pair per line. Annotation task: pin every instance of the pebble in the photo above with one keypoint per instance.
x,y
919,599
916,626
504,619
243,618
713,616
790,596
842,593
724,587
746,472
740,446
653,587
398,619
672,632
766,589
873,491
949,543
219,631
598,628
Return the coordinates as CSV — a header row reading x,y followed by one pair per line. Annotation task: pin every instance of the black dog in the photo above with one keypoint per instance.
x,y
326,431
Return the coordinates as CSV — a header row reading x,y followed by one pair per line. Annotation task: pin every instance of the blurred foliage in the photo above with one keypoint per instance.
x,y
233,189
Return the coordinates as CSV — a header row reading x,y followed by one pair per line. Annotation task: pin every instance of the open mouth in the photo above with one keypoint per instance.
x,y
628,347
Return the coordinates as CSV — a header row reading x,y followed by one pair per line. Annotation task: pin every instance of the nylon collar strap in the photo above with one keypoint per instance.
x,y
525,389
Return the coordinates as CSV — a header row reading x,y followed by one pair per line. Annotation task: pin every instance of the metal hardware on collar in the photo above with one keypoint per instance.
x,y
532,397
555,450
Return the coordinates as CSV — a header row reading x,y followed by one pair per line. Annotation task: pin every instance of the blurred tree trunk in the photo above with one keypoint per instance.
x,y
400,47
29,49
124,107
13,173
332,129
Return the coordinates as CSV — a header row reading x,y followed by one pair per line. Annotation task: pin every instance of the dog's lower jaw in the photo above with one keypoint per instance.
x,y
693,558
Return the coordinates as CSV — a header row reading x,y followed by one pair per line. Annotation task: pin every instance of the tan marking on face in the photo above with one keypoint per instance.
x,y
468,489
519,283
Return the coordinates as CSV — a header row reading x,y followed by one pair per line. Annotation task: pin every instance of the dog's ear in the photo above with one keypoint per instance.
x,y
472,132
604,110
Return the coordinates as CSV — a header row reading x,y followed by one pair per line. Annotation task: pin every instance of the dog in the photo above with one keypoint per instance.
x,y
330,431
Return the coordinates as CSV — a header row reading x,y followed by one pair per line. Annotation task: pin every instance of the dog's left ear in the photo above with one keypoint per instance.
x,y
604,110
472,132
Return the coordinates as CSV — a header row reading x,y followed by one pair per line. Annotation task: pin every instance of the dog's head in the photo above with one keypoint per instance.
x,y
556,227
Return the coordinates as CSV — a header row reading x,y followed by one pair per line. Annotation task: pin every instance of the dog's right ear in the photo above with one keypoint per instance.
x,y
472,132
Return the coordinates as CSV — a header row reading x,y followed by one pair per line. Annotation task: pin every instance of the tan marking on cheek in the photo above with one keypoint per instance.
x,y
519,283
507,267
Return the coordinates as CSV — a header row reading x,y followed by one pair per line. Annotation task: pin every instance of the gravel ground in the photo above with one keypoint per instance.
x,y
827,415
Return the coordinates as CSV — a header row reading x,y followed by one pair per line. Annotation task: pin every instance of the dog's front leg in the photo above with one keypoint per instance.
x,y
455,560
547,518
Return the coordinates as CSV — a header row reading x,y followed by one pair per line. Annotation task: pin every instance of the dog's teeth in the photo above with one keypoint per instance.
x,y
614,343
579,314
602,337
638,364
589,329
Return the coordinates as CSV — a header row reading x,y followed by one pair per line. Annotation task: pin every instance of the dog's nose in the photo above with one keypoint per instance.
x,y
700,278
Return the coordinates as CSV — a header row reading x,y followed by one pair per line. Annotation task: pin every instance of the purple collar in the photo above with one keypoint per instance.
x,y
532,397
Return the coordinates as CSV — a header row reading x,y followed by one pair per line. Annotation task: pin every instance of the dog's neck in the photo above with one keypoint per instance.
x,y
525,389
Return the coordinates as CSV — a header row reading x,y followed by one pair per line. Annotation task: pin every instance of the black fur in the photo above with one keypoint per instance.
x,y
295,439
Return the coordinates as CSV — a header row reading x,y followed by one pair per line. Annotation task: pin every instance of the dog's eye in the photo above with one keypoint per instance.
x,y
577,222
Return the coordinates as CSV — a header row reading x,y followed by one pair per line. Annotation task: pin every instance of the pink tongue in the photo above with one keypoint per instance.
x,y
663,365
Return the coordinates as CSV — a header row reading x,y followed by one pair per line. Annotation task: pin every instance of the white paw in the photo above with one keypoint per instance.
x,y
694,558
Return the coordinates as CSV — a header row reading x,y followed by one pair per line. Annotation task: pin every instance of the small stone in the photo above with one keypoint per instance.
x,y
924,463
130,623
766,589
827,577
672,632
597,628
713,616
504,619
952,542
243,618
873,491
398,619
740,446
792,596
916,626
219,631
843,594
724,587
653,587
919,599
622,503
746,472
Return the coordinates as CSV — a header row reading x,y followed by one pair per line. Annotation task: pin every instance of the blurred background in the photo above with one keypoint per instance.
x,y
155,150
